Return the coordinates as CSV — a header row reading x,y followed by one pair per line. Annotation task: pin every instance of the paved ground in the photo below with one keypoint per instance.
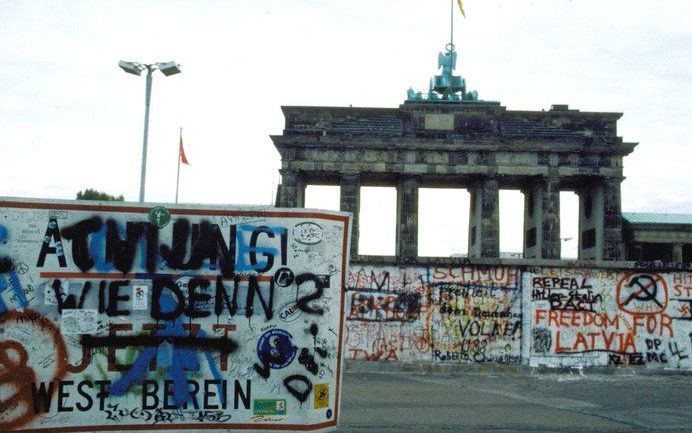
x,y
481,402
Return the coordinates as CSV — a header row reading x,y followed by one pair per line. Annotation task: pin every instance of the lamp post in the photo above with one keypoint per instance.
x,y
136,68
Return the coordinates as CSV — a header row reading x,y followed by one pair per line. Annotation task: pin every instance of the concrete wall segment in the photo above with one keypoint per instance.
x,y
458,313
188,317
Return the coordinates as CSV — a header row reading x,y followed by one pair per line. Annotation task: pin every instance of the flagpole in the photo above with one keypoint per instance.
x,y
177,179
451,23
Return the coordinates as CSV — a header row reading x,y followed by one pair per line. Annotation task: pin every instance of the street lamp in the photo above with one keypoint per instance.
x,y
136,68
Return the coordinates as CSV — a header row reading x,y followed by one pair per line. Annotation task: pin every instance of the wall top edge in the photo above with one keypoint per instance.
x,y
363,260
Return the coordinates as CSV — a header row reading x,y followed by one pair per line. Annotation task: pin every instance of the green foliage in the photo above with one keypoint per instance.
x,y
92,194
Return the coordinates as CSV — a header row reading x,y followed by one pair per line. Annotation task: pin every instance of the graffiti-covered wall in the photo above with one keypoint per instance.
x,y
387,314
452,314
555,317
608,318
117,316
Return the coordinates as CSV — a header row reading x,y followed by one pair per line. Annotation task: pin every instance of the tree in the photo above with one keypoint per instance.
x,y
92,194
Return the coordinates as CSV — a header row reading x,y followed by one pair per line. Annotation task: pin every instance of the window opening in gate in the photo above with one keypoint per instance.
x,y
325,197
569,225
511,224
377,221
443,221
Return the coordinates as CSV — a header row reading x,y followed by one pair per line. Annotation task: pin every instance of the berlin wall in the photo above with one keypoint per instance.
x,y
122,317
553,317
597,317
454,314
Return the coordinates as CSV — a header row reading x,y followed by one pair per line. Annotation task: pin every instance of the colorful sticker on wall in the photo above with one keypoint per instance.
x,y
140,297
82,321
321,395
269,407
290,312
275,348
159,217
308,233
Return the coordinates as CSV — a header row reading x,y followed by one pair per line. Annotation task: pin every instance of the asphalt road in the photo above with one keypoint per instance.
x,y
481,402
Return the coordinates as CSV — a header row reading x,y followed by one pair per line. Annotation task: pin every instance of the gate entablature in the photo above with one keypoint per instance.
x,y
479,145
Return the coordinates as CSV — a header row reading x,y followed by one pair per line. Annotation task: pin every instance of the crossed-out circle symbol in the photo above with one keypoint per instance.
x,y
21,268
284,277
642,294
646,289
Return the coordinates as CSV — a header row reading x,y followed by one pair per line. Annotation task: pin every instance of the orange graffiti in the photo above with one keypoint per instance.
x,y
17,376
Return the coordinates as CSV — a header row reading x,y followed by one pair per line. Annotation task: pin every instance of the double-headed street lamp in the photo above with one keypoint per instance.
x,y
136,68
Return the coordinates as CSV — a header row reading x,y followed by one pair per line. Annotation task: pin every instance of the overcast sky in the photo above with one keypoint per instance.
x,y
71,119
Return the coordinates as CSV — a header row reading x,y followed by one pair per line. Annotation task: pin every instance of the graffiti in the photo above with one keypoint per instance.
x,y
12,294
275,351
52,235
386,341
542,340
301,392
112,302
284,277
478,321
308,233
116,413
388,314
642,293
16,374
132,317
659,265
620,319
684,309
31,349
466,313
207,242
384,307
540,316
183,355
11,291
565,293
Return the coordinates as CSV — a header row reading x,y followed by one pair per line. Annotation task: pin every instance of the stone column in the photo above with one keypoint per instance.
x,y
613,244
550,247
350,202
532,216
677,253
474,221
637,253
484,219
407,217
591,205
542,219
291,191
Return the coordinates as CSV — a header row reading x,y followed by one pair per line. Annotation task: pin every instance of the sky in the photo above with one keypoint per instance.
x,y
70,119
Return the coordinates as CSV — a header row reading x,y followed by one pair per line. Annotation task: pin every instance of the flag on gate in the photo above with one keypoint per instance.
x,y
183,159
461,8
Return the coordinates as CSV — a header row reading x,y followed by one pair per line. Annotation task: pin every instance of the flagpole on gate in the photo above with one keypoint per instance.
x,y
451,23
177,179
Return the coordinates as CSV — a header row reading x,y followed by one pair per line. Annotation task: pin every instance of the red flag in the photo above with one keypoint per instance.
x,y
183,159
